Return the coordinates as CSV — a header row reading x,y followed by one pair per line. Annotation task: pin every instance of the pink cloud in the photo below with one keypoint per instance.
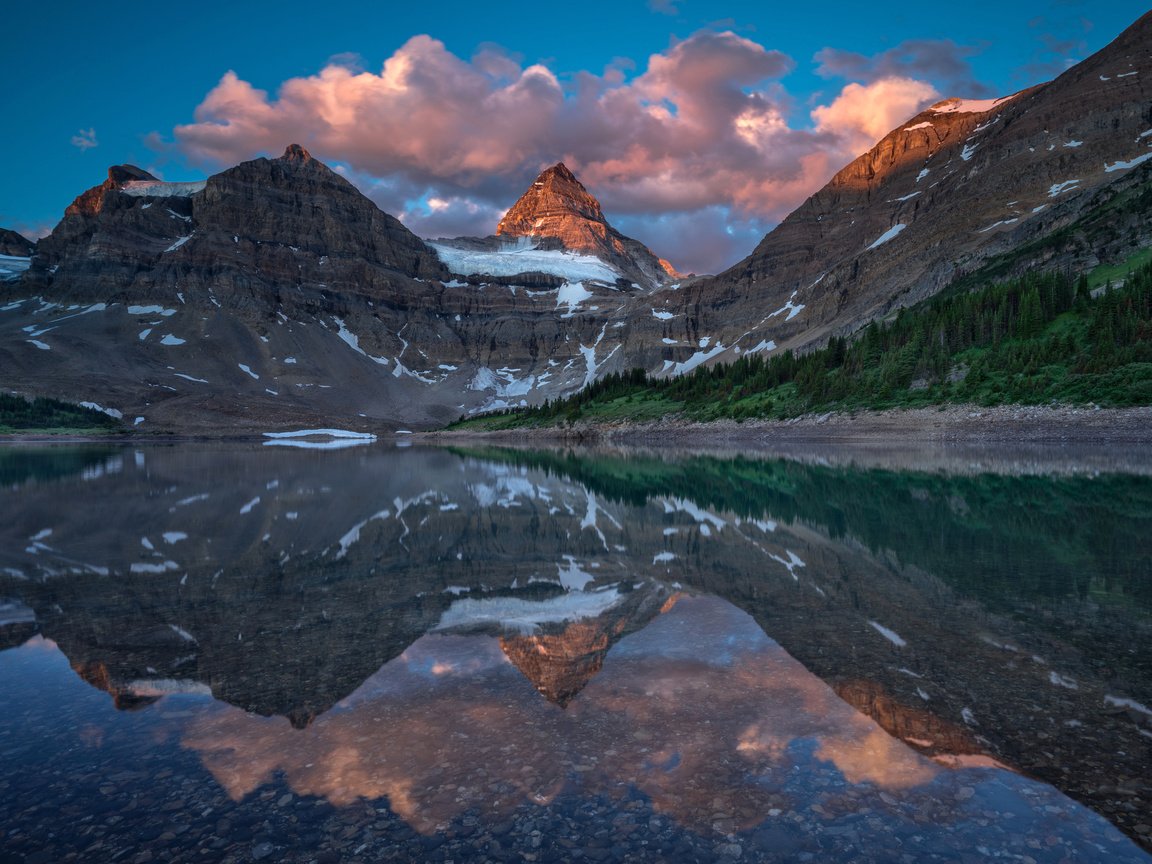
x,y
704,129
864,113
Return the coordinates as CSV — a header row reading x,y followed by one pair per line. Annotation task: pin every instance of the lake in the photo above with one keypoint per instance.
x,y
236,652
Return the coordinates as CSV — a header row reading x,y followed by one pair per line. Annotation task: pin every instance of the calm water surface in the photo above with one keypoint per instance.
x,y
238,653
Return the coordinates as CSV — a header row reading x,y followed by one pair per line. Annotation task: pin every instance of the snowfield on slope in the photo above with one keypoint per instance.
x,y
524,258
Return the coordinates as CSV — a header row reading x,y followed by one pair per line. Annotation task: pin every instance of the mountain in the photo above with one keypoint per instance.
x,y
1050,177
15,245
557,206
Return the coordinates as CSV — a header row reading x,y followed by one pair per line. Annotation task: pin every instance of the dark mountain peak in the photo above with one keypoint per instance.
x,y
120,174
296,153
92,202
12,243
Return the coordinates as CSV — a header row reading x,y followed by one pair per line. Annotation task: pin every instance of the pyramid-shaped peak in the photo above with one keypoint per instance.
x,y
554,200
557,209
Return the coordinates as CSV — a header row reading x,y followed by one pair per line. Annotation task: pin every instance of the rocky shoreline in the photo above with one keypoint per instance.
x,y
949,423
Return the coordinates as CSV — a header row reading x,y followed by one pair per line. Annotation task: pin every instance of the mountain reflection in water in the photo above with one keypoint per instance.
x,y
473,638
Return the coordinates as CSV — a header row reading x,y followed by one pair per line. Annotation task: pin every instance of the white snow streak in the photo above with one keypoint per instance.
x,y
890,635
887,235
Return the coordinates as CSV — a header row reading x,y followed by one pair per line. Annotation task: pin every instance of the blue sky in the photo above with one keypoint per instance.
x,y
698,125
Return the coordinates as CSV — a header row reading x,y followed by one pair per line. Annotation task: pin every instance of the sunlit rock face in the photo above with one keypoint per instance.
x,y
558,207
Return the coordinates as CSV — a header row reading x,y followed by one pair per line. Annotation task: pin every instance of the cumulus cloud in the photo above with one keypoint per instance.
x,y
939,60
864,113
701,135
85,139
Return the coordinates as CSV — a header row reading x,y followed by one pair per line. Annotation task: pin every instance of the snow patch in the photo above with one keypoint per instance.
x,y
663,316
169,339
524,616
245,368
695,360
12,266
998,224
1062,681
967,106
111,412
890,635
1124,166
163,567
572,294
1124,702
161,189
887,235
522,256
572,577
353,342
1058,188
791,306
151,310
180,242
330,433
